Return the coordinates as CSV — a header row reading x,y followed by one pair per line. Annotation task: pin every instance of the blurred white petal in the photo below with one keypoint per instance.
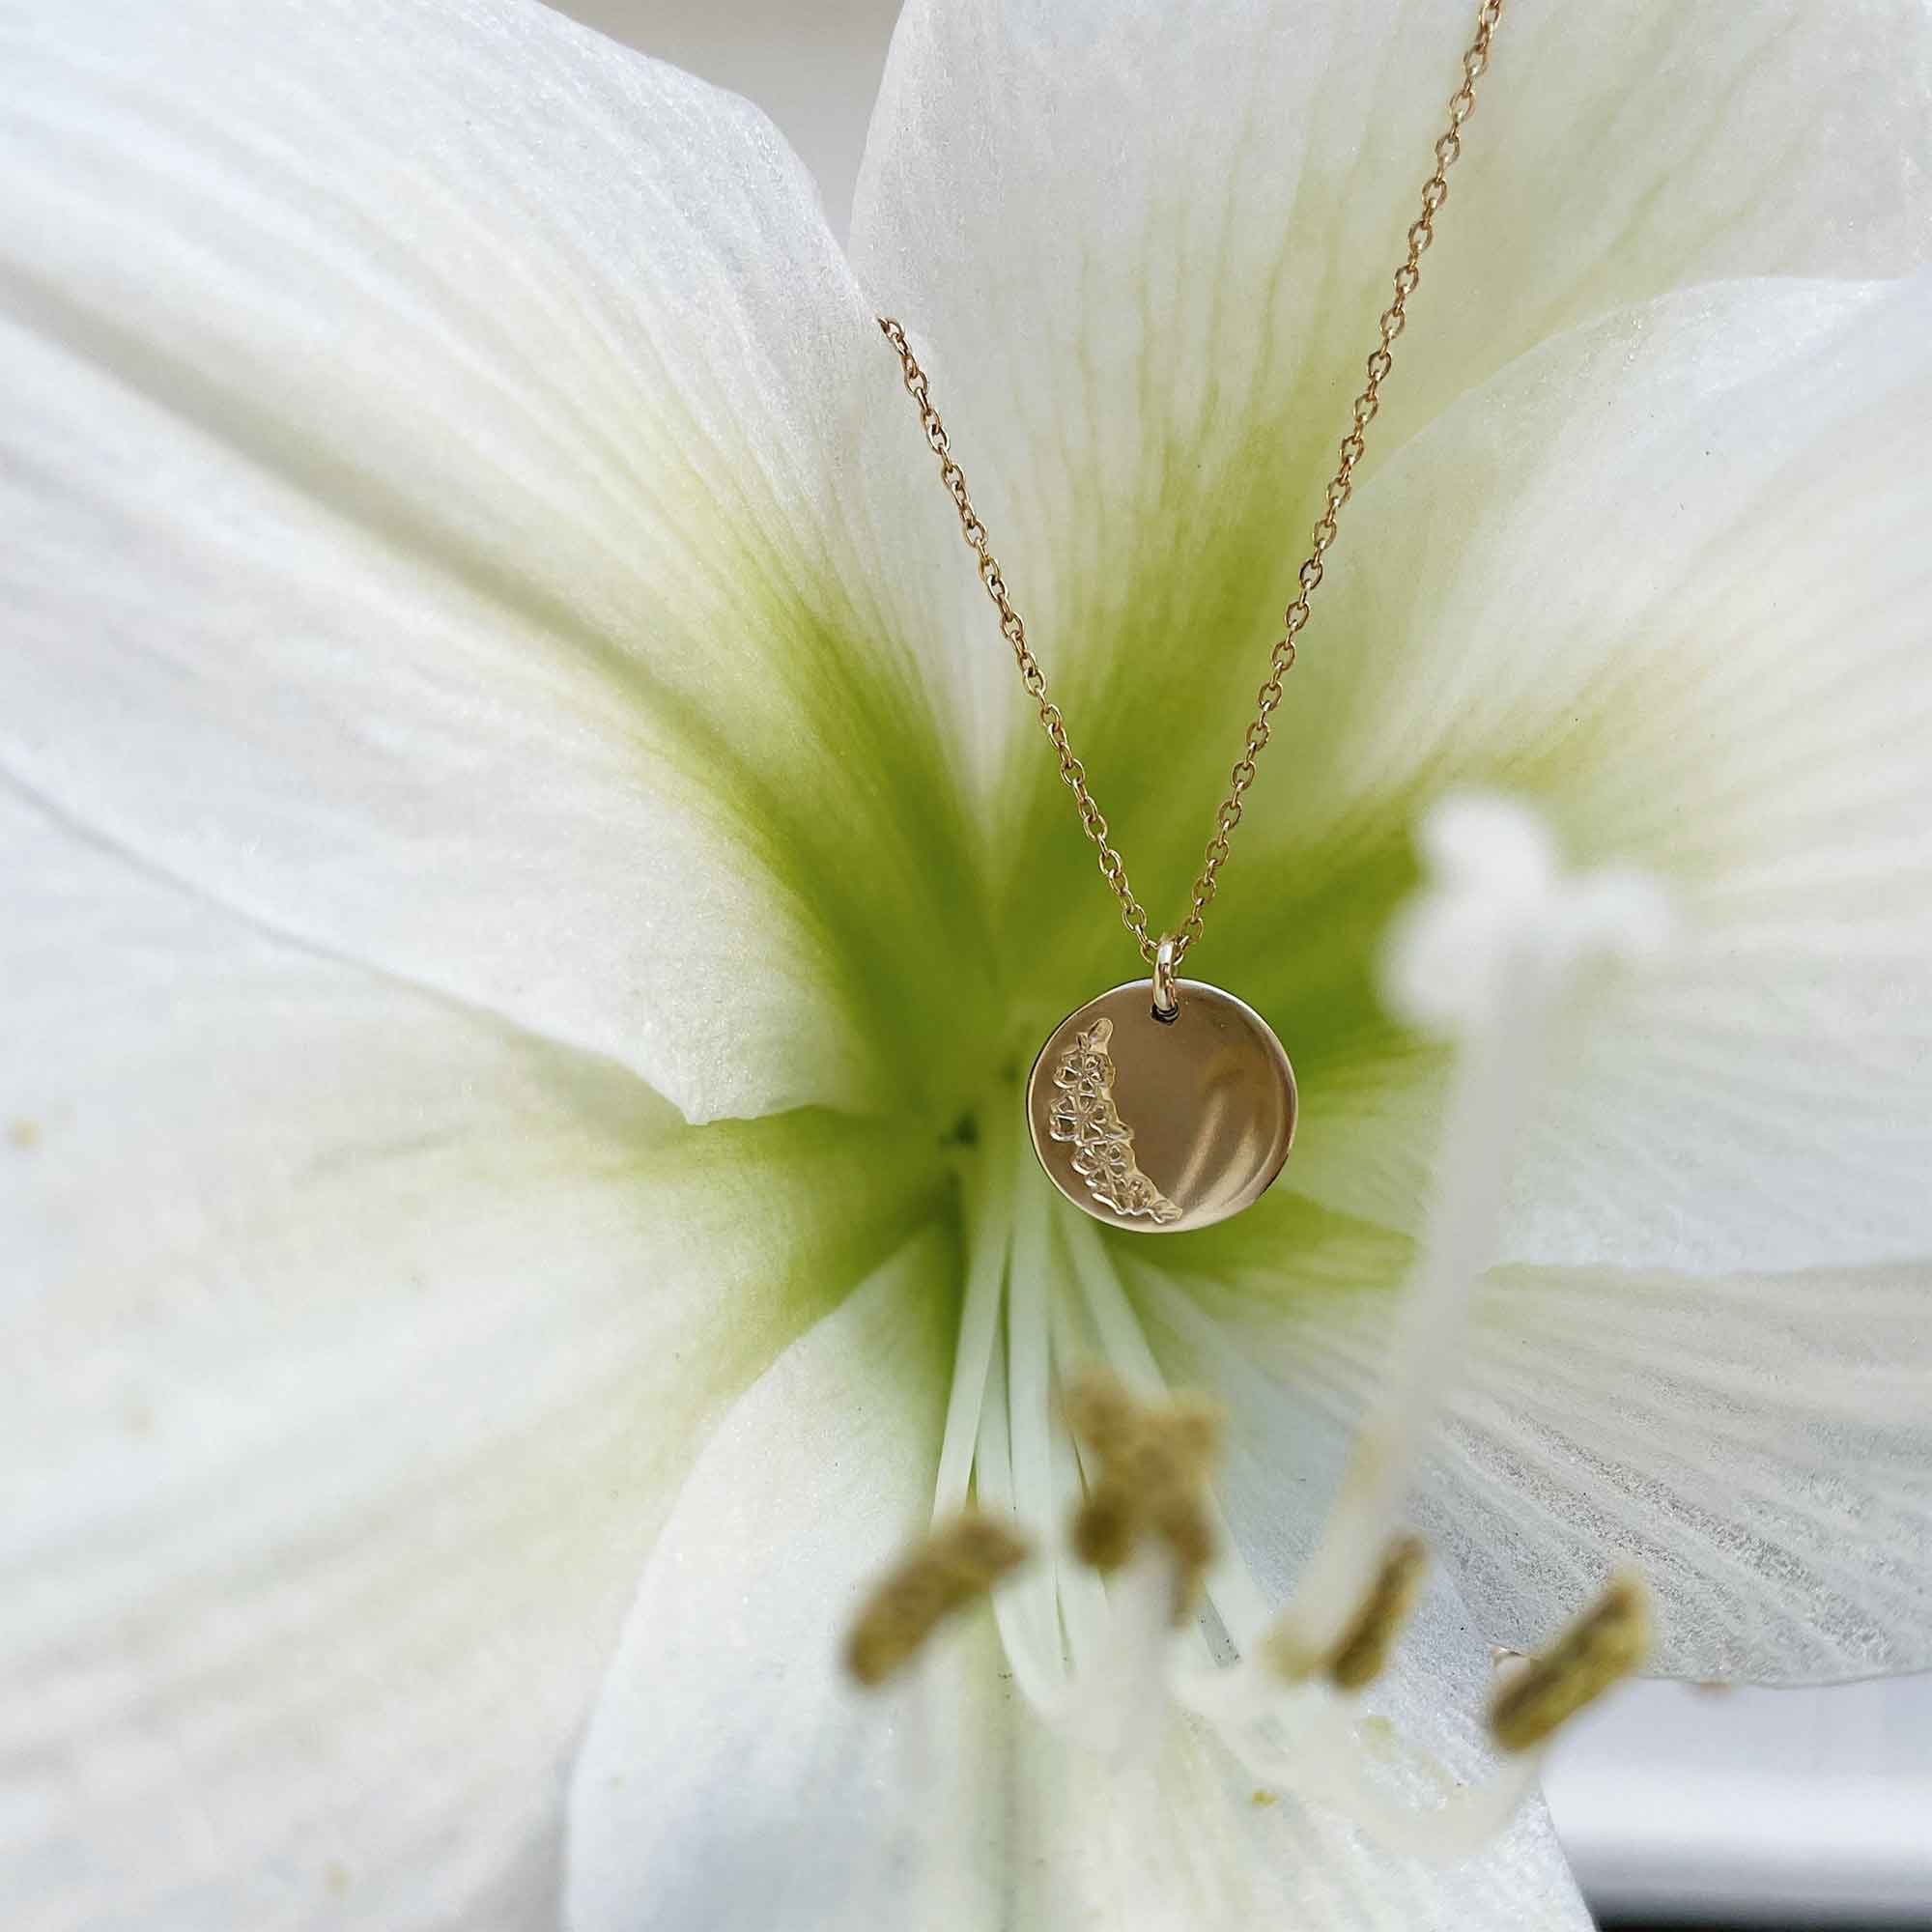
x,y
732,1776
1143,248
1663,579
357,1343
437,473
1758,1445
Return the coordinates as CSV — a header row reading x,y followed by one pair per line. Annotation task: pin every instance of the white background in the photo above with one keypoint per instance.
x,y
1765,1807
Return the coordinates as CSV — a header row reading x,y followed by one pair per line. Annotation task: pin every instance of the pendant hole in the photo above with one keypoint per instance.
x,y
1169,1017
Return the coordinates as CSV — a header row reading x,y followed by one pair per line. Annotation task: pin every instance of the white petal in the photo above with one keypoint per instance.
x,y
437,478
731,1780
355,1346
732,1776
1144,249
1665,579
1759,1446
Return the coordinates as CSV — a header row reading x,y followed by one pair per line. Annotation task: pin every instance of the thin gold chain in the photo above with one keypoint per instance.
x,y
1113,868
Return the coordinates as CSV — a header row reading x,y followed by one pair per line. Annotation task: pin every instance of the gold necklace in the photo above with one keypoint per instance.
x,y
1172,1106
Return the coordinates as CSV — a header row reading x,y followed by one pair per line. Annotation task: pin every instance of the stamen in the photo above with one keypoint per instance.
x,y
1154,1462
1033,1493
957,1563
1492,953
1029,1626
1357,1660
1230,1591
990,1218
1603,1646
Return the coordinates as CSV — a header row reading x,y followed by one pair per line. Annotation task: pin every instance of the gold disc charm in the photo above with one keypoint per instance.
x,y
1162,1123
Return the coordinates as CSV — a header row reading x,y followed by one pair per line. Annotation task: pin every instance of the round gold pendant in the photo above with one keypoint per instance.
x,y
1163,1124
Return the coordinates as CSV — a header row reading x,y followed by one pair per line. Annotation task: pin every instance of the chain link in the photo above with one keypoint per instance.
x,y
1341,486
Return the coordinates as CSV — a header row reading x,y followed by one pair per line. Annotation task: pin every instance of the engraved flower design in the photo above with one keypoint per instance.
x,y
1083,1115
529,884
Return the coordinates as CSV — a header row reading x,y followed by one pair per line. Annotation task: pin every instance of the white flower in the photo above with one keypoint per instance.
x,y
526,878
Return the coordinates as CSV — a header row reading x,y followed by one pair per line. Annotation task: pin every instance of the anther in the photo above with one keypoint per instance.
x,y
1103,1414
1604,1645
1358,1656
959,1561
1154,1466
1357,1660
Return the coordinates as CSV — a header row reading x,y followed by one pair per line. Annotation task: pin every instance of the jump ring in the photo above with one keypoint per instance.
x,y
1166,999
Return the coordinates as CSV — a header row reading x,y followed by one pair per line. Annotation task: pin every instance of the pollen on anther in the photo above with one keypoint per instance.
x,y
958,1562
1154,1463
1102,1413
1604,1645
1358,1657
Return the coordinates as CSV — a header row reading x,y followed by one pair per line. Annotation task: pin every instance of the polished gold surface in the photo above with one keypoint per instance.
x,y
1163,1124
1367,404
